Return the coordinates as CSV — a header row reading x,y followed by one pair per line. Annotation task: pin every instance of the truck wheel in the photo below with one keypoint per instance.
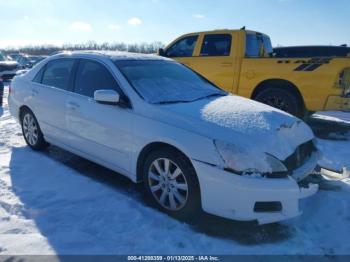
x,y
283,100
31,131
171,182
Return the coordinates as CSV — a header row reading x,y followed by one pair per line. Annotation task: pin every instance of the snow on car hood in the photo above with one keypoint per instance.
x,y
240,121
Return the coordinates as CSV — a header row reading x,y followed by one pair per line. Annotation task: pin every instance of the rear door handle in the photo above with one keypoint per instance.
x,y
226,64
72,106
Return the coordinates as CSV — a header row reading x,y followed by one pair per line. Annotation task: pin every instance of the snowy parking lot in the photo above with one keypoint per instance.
x,y
58,203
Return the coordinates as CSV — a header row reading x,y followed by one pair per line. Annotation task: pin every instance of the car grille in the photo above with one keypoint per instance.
x,y
262,207
300,156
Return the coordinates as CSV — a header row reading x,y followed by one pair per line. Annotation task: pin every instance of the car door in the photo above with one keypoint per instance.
x,y
49,90
215,60
101,131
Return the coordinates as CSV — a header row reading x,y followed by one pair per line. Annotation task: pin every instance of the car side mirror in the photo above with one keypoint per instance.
x,y
107,96
161,52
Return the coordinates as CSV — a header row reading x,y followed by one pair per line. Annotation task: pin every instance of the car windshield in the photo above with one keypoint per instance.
x,y
160,82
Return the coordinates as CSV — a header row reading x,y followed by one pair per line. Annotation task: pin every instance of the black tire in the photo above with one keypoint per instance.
x,y
36,144
282,99
192,205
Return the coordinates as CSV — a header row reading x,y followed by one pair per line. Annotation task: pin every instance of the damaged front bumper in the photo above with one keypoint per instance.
x,y
307,168
266,200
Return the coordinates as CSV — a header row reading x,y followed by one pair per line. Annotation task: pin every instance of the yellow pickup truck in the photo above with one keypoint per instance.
x,y
242,62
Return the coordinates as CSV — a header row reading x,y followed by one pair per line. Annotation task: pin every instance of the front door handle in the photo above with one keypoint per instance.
x,y
226,64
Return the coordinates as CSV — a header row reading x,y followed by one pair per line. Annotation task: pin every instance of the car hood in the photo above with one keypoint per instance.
x,y
239,121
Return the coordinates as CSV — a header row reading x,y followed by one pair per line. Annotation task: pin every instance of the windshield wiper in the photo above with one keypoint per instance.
x,y
212,95
171,102
187,101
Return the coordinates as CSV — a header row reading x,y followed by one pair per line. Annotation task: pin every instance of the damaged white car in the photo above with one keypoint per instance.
x,y
154,120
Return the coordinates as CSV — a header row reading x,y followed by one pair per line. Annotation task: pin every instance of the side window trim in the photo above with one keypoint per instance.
x,y
73,76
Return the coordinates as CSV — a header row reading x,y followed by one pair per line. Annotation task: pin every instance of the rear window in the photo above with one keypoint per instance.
x,y
216,45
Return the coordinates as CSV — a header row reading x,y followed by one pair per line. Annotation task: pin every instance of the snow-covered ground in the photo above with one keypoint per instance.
x,y
57,203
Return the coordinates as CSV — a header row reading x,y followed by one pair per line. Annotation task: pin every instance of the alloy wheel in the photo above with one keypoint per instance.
x,y
30,129
168,184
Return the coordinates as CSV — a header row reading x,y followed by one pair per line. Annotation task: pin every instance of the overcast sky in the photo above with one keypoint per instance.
x,y
288,22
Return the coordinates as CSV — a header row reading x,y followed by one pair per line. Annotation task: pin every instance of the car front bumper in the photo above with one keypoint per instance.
x,y
236,197
307,168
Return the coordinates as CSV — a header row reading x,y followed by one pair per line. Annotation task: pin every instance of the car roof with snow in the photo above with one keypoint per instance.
x,y
113,55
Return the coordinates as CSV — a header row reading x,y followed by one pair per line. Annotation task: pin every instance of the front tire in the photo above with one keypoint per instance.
x,y
31,131
282,99
171,182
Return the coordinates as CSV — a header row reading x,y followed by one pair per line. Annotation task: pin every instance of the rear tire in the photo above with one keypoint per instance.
x,y
171,182
31,131
282,99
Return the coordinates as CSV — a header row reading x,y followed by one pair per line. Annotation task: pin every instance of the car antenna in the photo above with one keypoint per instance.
x,y
243,28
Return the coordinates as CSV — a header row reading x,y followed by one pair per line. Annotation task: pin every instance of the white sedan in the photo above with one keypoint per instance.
x,y
155,121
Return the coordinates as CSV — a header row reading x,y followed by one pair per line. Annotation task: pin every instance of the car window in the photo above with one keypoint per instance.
x,y
92,76
216,45
39,76
183,48
258,45
57,73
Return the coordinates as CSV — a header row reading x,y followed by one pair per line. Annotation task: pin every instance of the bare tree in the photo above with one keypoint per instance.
x,y
146,48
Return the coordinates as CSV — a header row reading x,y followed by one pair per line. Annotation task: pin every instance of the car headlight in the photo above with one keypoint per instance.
x,y
240,160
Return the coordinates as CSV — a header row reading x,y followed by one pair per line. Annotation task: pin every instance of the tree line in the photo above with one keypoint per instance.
x,y
146,48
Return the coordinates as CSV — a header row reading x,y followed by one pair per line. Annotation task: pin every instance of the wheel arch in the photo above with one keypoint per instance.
x,y
150,148
21,110
280,83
